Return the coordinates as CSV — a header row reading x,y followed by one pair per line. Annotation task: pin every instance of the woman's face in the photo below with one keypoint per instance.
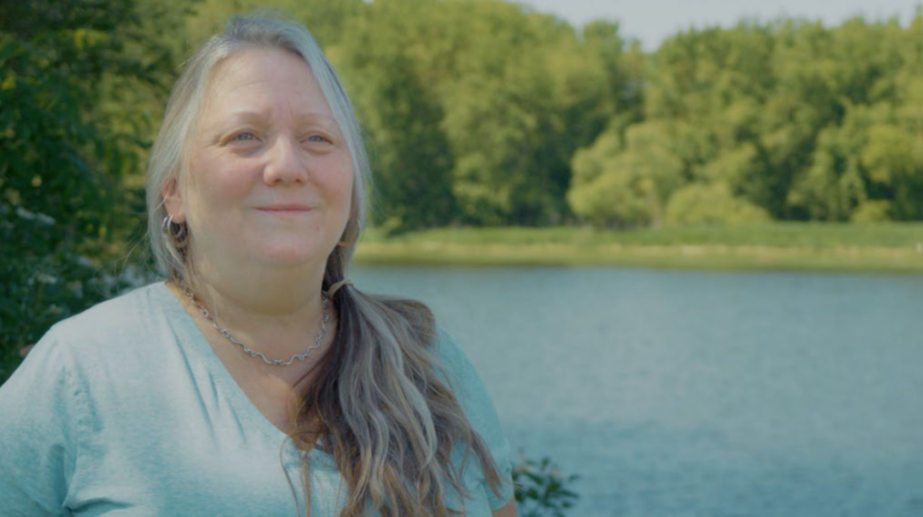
x,y
270,177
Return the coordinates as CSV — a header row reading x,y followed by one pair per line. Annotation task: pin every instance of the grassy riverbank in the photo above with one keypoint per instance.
x,y
790,246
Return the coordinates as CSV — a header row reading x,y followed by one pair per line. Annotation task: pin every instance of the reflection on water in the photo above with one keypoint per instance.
x,y
698,393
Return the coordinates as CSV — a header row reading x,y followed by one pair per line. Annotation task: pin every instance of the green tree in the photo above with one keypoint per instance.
x,y
793,118
627,183
385,68
326,19
63,210
711,204
512,94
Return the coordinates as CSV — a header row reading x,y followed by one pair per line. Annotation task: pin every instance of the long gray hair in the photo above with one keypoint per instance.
x,y
378,403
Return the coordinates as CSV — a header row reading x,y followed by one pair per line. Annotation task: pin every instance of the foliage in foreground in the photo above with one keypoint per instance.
x,y
541,489
64,161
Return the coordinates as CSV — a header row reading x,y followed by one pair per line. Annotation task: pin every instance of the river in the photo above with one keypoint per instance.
x,y
684,393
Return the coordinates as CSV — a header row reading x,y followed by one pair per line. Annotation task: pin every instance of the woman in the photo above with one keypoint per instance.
x,y
256,380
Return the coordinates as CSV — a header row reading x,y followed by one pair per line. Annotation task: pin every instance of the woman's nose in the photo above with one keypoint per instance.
x,y
287,163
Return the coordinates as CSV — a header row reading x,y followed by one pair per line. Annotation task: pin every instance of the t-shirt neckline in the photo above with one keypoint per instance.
x,y
198,345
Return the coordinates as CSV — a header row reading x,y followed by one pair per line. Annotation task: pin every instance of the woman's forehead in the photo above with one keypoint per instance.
x,y
249,79
264,114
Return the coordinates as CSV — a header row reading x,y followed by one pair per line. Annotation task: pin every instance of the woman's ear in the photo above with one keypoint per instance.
x,y
173,202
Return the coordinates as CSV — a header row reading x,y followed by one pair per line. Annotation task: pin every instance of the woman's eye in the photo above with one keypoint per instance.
x,y
245,137
318,139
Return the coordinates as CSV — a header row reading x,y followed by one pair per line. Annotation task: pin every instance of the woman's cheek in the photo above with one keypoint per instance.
x,y
345,186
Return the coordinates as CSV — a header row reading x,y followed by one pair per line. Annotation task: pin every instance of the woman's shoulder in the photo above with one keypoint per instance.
x,y
128,316
475,400
448,352
460,372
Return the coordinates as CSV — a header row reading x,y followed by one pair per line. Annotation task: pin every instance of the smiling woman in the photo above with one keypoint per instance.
x,y
270,176
255,367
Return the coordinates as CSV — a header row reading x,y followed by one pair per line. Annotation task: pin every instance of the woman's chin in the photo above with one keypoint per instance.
x,y
290,255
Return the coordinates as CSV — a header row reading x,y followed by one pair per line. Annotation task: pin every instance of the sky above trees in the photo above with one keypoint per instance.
x,y
653,20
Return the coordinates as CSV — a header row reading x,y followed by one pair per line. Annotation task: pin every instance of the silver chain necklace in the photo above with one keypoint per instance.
x,y
253,353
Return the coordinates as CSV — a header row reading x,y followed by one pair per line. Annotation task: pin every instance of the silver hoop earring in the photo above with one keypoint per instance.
x,y
180,237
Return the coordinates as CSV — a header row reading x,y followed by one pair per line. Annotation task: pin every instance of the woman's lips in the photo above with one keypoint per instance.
x,y
284,209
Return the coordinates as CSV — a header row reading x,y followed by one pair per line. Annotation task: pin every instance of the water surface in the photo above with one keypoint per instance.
x,y
698,393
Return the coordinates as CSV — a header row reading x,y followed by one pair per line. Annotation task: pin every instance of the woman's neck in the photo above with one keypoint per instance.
x,y
278,313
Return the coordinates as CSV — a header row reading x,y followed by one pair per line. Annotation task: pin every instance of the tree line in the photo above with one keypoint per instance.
x,y
481,112
787,120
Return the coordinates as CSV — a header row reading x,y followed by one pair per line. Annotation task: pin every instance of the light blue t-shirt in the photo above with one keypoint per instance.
x,y
126,410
